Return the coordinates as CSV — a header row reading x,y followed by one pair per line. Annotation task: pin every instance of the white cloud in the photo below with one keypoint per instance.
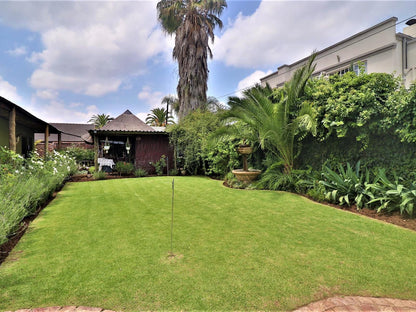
x,y
152,98
47,94
142,116
58,111
90,47
281,32
250,81
18,51
9,92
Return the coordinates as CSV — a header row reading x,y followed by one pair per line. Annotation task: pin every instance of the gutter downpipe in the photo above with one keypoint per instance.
x,y
404,59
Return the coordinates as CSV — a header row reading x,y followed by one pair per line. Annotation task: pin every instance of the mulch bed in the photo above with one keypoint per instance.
x,y
393,218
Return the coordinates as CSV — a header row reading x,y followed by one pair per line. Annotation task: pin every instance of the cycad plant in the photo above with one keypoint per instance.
x,y
271,122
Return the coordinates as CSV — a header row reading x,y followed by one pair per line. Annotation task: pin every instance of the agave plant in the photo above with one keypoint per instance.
x,y
346,186
392,196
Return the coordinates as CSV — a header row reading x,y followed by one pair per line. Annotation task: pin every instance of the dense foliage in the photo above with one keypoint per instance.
x,y
80,154
124,168
27,183
195,151
368,117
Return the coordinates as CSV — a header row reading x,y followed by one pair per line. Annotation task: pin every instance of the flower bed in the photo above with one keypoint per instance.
x,y
25,184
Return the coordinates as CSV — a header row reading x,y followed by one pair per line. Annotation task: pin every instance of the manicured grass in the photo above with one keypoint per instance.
x,y
106,243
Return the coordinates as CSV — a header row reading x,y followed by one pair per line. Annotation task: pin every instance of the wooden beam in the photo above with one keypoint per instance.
x,y
46,141
12,129
59,141
96,152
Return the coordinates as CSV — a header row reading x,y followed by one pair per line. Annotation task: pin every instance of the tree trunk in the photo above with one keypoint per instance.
x,y
12,129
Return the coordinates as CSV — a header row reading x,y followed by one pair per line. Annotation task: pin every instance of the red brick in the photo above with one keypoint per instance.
x,y
48,309
68,309
88,309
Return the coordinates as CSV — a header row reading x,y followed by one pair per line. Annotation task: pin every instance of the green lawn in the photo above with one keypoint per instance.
x,y
106,243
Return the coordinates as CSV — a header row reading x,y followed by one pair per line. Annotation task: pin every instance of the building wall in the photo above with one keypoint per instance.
x,y
52,146
4,132
410,71
377,46
24,137
150,148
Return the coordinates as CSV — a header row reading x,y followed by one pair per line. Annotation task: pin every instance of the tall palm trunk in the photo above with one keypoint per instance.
x,y
192,63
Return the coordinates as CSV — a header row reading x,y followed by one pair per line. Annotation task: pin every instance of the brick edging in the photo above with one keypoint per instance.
x,y
357,303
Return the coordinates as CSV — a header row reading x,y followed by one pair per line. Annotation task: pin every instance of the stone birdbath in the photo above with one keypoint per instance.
x,y
245,175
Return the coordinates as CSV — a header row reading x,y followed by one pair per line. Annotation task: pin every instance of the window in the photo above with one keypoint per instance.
x,y
358,68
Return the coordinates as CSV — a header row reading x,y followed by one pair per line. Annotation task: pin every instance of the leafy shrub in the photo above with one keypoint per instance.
x,y
275,179
124,168
232,181
194,149
173,172
99,175
91,169
316,191
140,173
80,154
160,165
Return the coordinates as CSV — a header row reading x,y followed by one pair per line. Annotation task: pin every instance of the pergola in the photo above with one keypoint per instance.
x,y
23,124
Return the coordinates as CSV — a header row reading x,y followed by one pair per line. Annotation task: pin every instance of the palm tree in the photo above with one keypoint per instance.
x,y
272,123
172,101
212,105
193,23
158,117
100,120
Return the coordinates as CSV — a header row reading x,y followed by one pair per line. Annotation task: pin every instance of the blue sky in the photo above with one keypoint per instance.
x,y
64,61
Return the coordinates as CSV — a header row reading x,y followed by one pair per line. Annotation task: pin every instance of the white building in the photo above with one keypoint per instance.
x,y
378,49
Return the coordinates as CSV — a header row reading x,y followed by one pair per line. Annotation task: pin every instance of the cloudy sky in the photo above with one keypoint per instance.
x,y
64,61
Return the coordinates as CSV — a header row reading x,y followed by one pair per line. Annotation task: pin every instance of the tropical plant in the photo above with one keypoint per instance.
x,y
193,23
276,123
100,120
346,186
158,117
213,105
173,102
393,196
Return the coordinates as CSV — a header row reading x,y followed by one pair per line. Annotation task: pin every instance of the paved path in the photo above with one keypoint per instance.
x,y
359,304
334,304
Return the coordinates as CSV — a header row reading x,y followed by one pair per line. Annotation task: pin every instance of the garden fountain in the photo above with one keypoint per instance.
x,y
245,175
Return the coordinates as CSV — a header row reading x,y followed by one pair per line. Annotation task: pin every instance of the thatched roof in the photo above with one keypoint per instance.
x,y
127,122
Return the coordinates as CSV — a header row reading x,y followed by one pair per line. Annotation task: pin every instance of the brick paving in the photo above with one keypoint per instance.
x,y
359,304
334,304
